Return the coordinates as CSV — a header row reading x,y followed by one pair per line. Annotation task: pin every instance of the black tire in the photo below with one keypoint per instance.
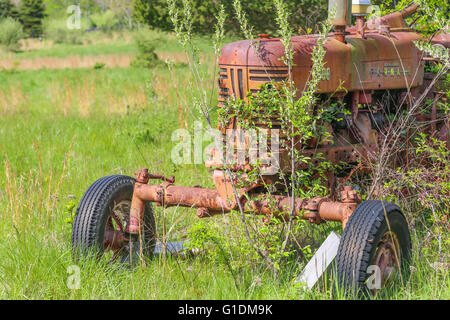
x,y
362,238
94,210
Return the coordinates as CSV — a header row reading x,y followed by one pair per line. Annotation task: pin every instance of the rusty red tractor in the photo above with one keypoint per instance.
x,y
369,60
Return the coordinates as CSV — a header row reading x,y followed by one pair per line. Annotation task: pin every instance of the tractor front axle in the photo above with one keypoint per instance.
x,y
210,202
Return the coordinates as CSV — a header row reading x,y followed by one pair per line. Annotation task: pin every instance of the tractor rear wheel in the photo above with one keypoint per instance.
x,y
101,220
375,246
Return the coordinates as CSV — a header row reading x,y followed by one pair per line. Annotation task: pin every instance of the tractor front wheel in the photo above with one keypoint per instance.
x,y
375,246
101,221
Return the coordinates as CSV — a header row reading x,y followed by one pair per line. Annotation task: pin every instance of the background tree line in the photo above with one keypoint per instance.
x,y
119,14
260,13
154,13
29,13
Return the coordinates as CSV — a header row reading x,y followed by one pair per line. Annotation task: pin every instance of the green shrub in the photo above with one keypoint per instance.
x,y
57,31
99,65
146,57
106,21
11,32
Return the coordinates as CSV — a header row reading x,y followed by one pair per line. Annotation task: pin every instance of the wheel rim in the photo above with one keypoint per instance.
x,y
114,240
387,257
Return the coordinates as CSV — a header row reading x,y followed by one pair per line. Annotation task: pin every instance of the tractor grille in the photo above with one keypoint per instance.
x,y
238,81
261,75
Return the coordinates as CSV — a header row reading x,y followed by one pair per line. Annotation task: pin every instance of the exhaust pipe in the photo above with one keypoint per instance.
x,y
343,10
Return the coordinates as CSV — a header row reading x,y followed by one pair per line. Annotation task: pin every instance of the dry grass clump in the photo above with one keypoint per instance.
x,y
70,62
12,99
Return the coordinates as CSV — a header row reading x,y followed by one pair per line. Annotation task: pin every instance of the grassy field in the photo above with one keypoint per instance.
x,y
62,129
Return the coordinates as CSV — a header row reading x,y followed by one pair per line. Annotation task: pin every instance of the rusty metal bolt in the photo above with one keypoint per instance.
x,y
202,213
142,176
313,204
349,195
313,217
346,194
